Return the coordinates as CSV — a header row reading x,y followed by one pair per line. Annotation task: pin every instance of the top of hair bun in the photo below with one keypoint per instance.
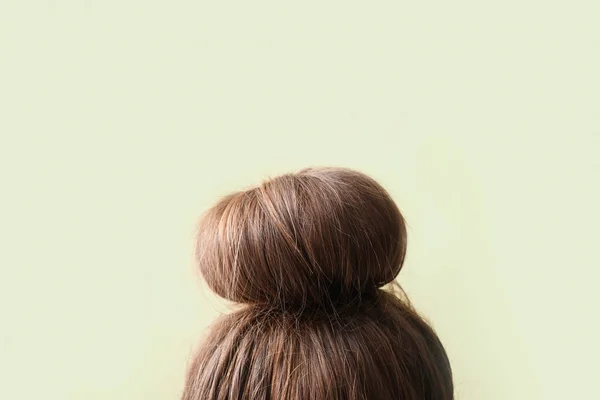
x,y
319,237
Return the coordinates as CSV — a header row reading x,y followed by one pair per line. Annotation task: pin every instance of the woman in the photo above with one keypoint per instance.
x,y
306,256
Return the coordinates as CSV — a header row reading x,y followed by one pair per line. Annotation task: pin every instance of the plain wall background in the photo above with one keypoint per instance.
x,y
122,121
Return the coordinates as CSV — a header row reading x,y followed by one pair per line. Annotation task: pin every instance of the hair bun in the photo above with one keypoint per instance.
x,y
318,237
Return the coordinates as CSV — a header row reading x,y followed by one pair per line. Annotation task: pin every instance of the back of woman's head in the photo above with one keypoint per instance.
x,y
307,254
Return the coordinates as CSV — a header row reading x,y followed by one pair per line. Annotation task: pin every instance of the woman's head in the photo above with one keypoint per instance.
x,y
307,254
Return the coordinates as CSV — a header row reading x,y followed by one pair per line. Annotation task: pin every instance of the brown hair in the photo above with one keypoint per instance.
x,y
307,255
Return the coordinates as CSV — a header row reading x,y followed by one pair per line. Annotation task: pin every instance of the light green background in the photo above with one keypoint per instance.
x,y
121,121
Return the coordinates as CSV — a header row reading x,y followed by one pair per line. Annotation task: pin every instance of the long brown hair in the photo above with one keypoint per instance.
x,y
306,255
